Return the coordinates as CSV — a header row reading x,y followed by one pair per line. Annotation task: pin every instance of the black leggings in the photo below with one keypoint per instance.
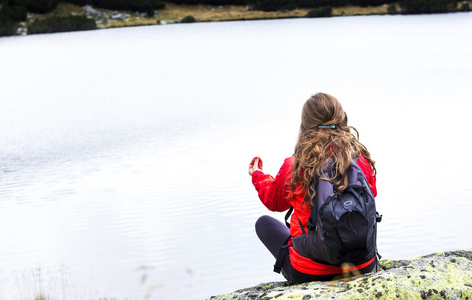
x,y
274,234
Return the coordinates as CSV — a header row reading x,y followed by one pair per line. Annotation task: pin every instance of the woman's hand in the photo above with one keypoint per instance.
x,y
256,164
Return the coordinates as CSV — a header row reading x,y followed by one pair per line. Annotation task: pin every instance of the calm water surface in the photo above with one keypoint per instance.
x,y
124,152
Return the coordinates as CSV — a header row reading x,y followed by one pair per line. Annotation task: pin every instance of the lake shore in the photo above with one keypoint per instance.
x,y
174,13
207,13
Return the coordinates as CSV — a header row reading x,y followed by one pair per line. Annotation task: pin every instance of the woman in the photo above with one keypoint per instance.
x,y
324,135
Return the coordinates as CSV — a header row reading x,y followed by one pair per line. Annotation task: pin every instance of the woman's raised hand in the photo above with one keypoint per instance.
x,y
256,164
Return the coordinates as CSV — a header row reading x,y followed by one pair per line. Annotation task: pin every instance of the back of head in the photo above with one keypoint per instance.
x,y
324,135
322,110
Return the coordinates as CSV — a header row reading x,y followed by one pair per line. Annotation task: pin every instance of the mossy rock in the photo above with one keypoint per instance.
x,y
445,275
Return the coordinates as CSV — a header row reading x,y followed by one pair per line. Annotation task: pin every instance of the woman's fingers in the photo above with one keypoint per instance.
x,y
256,164
259,165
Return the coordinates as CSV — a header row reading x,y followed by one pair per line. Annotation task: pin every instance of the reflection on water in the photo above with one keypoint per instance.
x,y
124,152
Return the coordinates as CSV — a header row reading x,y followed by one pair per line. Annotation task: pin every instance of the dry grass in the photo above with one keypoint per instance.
x,y
234,12
132,21
222,13
64,9
356,10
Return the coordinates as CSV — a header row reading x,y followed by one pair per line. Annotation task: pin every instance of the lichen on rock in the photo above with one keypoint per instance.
x,y
445,275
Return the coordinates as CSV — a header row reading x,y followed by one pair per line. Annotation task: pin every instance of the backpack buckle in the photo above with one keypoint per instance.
x,y
378,217
312,228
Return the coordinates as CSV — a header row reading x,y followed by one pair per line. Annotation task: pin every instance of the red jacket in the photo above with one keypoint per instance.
x,y
274,195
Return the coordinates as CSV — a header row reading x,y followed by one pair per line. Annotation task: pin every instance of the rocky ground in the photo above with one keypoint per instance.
x,y
445,275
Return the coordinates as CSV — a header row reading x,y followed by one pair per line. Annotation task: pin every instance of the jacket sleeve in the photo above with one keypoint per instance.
x,y
369,173
273,192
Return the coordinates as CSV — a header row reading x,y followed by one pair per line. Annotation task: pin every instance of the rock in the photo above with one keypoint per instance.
x,y
90,10
445,275
117,16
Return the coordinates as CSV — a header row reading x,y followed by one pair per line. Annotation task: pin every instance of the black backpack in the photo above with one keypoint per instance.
x,y
344,228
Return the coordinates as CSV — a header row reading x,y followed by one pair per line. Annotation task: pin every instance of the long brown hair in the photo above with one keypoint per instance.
x,y
316,146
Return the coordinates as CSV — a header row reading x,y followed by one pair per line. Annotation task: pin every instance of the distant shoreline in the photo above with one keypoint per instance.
x,y
175,13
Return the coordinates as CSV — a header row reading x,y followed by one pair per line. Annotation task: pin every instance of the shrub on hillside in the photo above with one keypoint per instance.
x,y
225,2
274,5
7,27
130,5
213,2
311,3
320,12
13,13
427,6
41,6
365,3
61,24
465,6
188,19
78,2
35,6
10,16
392,9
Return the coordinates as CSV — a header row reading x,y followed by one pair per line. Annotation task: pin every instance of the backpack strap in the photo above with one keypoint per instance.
x,y
283,253
289,212
287,215
313,220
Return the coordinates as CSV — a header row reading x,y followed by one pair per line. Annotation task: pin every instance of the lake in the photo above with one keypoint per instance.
x,y
124,152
